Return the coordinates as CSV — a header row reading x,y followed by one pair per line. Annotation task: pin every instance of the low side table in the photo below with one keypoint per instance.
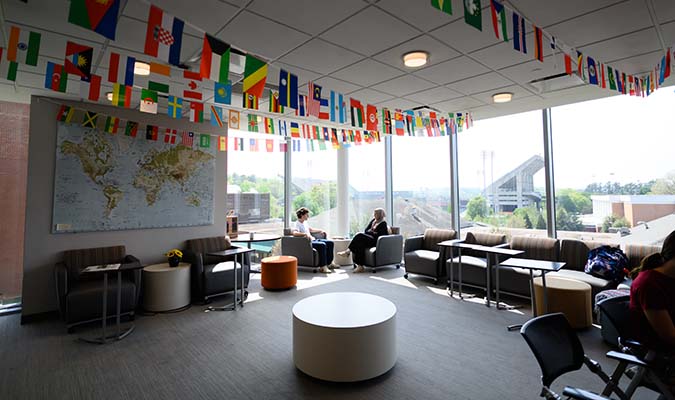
x,y
279,272
341,245
166,288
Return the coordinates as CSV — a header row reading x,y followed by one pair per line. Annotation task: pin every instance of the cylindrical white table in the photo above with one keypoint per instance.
x,y
344,337
338,246
166,288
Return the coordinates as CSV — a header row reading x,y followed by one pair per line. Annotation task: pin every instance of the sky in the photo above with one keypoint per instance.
x,y
620,138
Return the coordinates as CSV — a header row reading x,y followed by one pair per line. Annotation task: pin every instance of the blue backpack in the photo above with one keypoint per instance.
x,y
607,262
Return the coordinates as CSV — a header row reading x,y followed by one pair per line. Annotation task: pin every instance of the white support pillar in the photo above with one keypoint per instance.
x,y
342,192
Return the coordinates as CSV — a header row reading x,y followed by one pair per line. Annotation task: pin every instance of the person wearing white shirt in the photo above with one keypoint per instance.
x,y
323,246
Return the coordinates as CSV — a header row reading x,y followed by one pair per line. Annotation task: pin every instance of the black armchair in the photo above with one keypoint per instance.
x,y
80,295
212,276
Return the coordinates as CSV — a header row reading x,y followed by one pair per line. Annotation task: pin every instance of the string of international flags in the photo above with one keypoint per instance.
x,y
591,70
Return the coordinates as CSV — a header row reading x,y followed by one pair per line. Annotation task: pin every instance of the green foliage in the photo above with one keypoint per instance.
x,y
617,188
614,221
541,222
476,208
528,223
665,185
319,198
567,221
574,202
620,222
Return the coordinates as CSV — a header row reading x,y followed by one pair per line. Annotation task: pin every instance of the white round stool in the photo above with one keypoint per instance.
x,y
344,337
166,288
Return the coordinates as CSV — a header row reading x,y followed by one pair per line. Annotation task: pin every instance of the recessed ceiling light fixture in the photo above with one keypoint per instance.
x,y
502,97
109,96
415,59
141,68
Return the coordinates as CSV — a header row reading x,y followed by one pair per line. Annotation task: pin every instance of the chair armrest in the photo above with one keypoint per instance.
x,y
581,394
389,250
129,259
502,246
61,279
630,359
413,243
299,247
317,235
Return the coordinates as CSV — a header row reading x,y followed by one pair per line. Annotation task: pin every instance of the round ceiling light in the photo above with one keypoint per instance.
x,y
141,68
415,59
109,96
502,97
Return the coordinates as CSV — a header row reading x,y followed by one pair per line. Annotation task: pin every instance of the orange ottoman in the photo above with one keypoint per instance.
x,y
279,272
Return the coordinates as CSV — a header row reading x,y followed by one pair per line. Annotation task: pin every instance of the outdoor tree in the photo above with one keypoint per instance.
x,y
319,198
528,223
566,221
476,208
574,201
665,185
541,222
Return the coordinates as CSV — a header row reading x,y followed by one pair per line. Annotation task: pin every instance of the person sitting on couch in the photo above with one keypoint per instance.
x,y
323,246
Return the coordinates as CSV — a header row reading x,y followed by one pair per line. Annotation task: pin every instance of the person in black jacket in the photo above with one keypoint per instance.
x,y
367,239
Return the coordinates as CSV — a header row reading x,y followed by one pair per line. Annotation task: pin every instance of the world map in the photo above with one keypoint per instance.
x,y
113,182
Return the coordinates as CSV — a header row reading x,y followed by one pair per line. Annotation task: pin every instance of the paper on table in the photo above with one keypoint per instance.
x,y
102,267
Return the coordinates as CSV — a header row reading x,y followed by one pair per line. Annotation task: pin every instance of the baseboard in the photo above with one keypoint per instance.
x,y
27,319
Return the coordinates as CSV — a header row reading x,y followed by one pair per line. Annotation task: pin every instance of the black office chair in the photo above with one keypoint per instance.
x,y
558,350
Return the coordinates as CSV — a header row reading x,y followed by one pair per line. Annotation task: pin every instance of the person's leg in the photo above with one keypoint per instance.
x,y
330,247
321,249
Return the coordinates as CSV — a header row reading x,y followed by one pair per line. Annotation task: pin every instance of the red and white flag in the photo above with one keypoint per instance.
x,y
170,136
187,139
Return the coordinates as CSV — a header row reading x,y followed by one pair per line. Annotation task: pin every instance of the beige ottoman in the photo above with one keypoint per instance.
x,y
166,288
570,297
338,246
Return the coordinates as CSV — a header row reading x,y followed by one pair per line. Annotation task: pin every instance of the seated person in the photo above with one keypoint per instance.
x,y
363,241
323,247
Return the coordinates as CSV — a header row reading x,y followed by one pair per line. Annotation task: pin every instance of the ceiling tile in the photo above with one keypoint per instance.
x,y
624,46
423,16
461,104
201,17
555,11
452,71
518,93
268,39
639,64
336,84
463,37
665,10
401,104
533,69
317,15
503,55
370,32
433,95
320,56
438,52
480,83
367,72
403,85
370,96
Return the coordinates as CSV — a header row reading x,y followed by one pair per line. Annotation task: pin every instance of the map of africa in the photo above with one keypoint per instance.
x,y
111,182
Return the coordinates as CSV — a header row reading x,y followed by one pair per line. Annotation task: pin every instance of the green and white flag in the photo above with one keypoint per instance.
x,y
472,14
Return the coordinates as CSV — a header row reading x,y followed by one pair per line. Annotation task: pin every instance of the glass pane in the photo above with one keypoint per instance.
x,y
614,168
421,170
501,175
366,184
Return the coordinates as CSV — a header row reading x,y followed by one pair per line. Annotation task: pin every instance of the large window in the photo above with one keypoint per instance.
x,y
501,175
614,168
421,175
314,185
366,184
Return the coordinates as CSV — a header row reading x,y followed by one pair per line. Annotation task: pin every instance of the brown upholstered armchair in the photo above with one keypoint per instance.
x,y
212,276
79,296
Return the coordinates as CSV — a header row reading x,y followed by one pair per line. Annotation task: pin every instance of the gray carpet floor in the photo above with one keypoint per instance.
x,y
448,349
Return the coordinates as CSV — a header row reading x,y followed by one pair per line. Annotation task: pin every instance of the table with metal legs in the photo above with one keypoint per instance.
x,y
253,237
235,251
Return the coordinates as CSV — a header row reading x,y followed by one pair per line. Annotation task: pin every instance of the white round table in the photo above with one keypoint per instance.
x,y
344,336
166,288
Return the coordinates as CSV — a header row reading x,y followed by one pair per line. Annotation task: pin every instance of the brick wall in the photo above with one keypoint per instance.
x,y
14,119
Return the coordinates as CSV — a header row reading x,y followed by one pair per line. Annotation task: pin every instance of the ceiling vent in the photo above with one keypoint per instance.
x,y
556,82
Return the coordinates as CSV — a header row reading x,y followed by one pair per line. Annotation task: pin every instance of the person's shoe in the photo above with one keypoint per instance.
x,y
345,253
333,265
359,269
325,270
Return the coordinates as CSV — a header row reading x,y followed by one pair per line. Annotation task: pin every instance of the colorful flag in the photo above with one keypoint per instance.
x,y
90,88
175,107
56,77
78,59
498,20
313,99
269,125
283,128
151,132
222,143
253,123
204,140
194,81
170,136
222,92
196,112
610,77
187,139
215,63
668,65
410,122
631,86
24,46
472,14
253,144
538,44
89,120
233,119
337,107
164,36
592,71
619,83
581,70
112,124
295,130
568,64
603,82
148,101
399,125
443,5
99,16
357,112
269,145
65,114
131,129
114,70
157,86
301,111
12,68
371,117
324,110
216,116
288,89
274,105
249,101
121,95
519,39
662,71
386,121
255,75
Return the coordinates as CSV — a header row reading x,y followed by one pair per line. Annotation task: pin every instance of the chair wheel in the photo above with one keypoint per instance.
x,y
398,266
315,270
405,275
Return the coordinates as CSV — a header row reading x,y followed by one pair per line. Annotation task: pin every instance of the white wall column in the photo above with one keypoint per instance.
x,y
342,192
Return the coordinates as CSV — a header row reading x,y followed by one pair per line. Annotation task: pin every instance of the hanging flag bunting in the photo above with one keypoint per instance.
x,y
283,128
334,138
160,69
668,65
253,144
620,78
269,125
175,107
269,145
274,106
399,125
410,122
326,134
295,130
592,72
89,120
233,119
187,139
472,14
519,39
322,145
603,81
160,78
23,46
12,68
498,20
386,121
581,70
170,136
288,89
314,99
222,92
538,44
357,112
255,75
222,143
337,107
443,5
151,132
249,101
631,87
204,140
99,16
371,117
193,91
196,112
148,101
301,111
324,109
215,64
90,89
112,125
78,59
164,36
306,131
56,77
115,72
568,64
216,116
65,114
610,77
131,129
253,123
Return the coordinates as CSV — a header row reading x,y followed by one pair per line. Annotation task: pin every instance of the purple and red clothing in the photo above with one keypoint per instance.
x,y
651,290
